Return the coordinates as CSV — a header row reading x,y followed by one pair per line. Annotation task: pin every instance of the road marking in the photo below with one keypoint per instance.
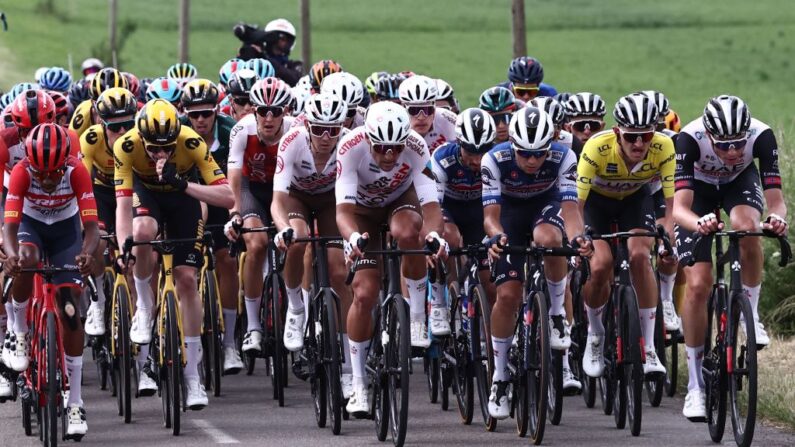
x,y
218,435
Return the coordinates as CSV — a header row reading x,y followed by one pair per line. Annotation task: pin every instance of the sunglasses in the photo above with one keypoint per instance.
x,y
725,146
525,91
119,126
504,117
241,100
275,111
351,113
158,148
201,114
632,137
583,125
318,130
416,110
532,154
383,149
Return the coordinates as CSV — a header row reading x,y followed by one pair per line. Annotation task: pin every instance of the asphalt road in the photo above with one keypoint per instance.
x,y
245,414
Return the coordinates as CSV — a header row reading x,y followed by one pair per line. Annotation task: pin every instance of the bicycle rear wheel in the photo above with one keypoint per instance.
x,y
211,337
482,356
398,359
173,362
539,356
742,371
457,347
121,335
714,366
331,360
52,382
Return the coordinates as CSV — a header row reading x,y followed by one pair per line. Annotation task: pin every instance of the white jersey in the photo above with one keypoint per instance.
x,y
295,165
565,138
360,180
442,130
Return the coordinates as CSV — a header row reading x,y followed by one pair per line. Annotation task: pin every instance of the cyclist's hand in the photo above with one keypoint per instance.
x,y
495,246
84,262
668,259
231,228
168,173
708,224
284,238
584,245
3,256
125,266
776,224
351,246
444,247
11,266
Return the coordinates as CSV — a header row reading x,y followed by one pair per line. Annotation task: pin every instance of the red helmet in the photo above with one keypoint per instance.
x,y
47,147
61,104
32,107
133,84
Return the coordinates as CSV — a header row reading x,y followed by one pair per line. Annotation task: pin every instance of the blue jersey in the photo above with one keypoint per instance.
x,y
543,89
454,180
502,177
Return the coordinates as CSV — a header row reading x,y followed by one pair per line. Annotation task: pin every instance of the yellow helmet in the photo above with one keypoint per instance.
x,y
199,92
672,121
116,102
158,122
105,79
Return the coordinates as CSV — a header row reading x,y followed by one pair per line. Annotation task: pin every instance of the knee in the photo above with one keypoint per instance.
x,y
508,296
185,279
365,294
296,250
144,229
639,258
452,235
255,245
698,284
548,236
601,270
744,223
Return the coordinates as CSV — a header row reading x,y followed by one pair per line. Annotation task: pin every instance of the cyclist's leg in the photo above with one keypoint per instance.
x,y
15,356
255,199
405,223
667,270
548,232
296,206
146,215
226,272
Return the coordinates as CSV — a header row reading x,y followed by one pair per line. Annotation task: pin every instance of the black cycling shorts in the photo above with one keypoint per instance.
x,y
59,243
106,207
256,198
636,211
467,216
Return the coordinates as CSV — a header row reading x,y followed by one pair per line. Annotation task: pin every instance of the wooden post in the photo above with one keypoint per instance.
x,y
184,28
519,35
112,29
306,40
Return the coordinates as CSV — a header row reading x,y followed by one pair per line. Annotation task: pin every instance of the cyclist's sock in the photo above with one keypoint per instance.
x,y
753,296
193,355
346,352
417,289
565,360
230,318
20,316
557,294
647,320
695,357
252,314
437,294
10,313
143,288
307,298
143,353
358,354
501,347
74,367
3,326
295,298
667,286
100,291
595,326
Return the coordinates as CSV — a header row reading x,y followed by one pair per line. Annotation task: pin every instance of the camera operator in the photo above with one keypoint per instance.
x,y
273,43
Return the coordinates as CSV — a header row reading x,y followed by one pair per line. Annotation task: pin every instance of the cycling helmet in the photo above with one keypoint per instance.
x,y
418,89
17,89
320,70
444,90
270,92
552,107
31,108
57,79
40,73
531,129
562,98
672,121
372,80
387,123
61,103
325,108
659,100
47,147
497,99
164,88
79,92
145,83
5,100
301,92
199,92
228,69
726,117
387,87
346,86
158,122
526,70
133,84
91,65
116,102
182,73
475,130
635,111
241,82
262,67
105,79
585,104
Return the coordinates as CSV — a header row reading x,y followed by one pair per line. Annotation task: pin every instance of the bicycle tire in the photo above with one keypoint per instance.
x,y
482,357
241,325
123,352
579,339
331,357
672,370
376,360
555,398
27,421
398,364
52,406
743,376
432,373
633,365
520,404
211,337
538,383
608,381
276,299
656,385
714,366
463,379
173,361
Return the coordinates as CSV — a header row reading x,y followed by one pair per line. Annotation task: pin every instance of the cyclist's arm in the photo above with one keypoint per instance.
x,y
87,207
586,171
425,187
345,191
282,178
438,172
234,167
667,173
18,185
279,210
687,154
774,198
123,178
567,185
492,196
766,150
86,152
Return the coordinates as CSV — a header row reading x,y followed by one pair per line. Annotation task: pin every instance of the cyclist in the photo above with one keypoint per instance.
x,y
320,70
79,92
349,88
253,148
436,126
558,113
152,163
387,88
525,74
200,103
500,103
262,67
528,186
382,177
239,89
715,167
182,73
49,197
445,99
56,79
91,66
614,170
85,116
370,84
165,88
585,114
61,108
228,70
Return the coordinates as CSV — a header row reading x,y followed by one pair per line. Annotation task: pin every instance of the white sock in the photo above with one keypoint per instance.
x,y
74,367
647,319
307,300
437,295
667,286
417,289
346,353
252,314
753,296
193,355
20,311
146,297
143,353
595,326
566,360
295,300
501,347
557,294
10,313
695,357
100,291
230,318
358,354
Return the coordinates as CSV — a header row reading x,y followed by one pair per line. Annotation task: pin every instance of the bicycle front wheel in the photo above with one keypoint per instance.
x,y
276,302
52,383
398,358
633,365
539,361
211,337
457,347
123,363
173,363
714,366
482,355
741,359
331,357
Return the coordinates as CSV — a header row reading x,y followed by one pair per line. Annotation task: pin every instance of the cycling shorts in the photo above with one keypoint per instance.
x,y
106,207
301,205
58,243
255,198
635,211
467,216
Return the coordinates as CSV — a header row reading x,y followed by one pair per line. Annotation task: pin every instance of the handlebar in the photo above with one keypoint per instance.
x,y
784,245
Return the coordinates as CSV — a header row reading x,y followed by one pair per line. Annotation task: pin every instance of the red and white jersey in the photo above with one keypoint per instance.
x,y
358,119
442,130
247,152
360,180
295,165
74,193
14,148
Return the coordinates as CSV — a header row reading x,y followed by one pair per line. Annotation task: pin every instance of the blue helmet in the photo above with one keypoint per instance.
x,y
229,68
5,100
17,89
56,78
526,70
164,88
262,67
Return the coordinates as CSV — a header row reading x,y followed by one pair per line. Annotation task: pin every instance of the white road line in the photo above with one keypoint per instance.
x,y
217,434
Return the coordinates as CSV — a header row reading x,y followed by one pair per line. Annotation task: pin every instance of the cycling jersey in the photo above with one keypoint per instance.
x,y
97,155
442,129
295,166
247,152
73,194
14,147
82,118
222,129
565,138
455,181
131,158
502,177
360,180
696,159
603,169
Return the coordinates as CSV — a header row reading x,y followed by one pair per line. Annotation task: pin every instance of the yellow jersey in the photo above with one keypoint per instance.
x,y
82,118
602,167
97,156
131,158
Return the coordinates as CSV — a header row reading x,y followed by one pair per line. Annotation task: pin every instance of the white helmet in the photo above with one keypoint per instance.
x,y
418,89
475,130
91,62
444,90
40,72
531,129
346,85
387,123
325,108
282,25
301,93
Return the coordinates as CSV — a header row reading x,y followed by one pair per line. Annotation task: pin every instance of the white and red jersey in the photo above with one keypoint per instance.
x,y
358,120
360,180
442,130
247,152
295,165
73,194
14,148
